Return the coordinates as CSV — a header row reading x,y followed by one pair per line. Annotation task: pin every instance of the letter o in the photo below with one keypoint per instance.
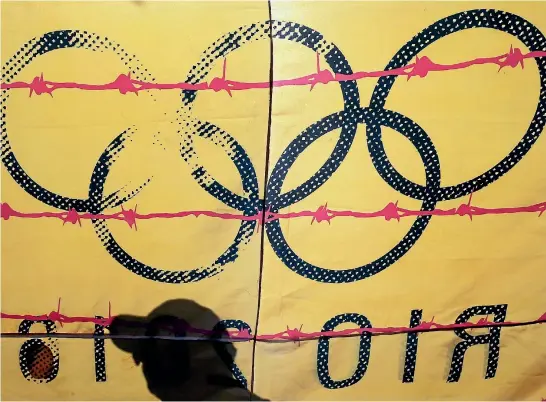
x,y
39,359
324,348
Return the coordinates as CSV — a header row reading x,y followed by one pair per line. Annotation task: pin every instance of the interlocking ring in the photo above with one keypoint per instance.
x,y
502,21
374,116
396,121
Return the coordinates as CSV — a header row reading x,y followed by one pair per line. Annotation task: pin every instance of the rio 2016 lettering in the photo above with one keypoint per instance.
x,y
492,340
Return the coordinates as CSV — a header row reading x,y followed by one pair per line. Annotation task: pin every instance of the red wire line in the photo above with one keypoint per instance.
x,y
321,214
420,68
289,334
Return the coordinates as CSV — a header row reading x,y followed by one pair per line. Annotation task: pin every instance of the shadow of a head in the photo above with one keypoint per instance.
x,y
180,369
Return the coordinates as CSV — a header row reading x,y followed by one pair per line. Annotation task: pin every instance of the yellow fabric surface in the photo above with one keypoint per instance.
x,y
473,116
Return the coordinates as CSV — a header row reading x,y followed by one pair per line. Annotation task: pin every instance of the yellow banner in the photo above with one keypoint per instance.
x,y
276,201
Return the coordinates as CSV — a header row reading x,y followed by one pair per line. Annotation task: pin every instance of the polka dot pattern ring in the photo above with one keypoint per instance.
x,y
98,179
49,42
221,48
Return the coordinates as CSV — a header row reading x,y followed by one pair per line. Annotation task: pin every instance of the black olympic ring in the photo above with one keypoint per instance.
x,y
24,56
353,114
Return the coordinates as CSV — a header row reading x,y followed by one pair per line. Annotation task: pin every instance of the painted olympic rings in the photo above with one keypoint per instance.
x,y
374,116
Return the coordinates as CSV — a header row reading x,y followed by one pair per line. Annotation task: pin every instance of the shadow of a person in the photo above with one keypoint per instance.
x,y
177,369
